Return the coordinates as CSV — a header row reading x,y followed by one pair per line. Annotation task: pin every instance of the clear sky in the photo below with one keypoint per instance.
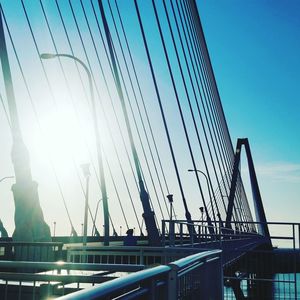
x,y
254,47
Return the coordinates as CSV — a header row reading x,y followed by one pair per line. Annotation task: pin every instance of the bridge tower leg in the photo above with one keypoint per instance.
x,y
258,205
148,215
29,220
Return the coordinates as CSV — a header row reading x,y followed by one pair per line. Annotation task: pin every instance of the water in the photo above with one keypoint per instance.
x,y
283,288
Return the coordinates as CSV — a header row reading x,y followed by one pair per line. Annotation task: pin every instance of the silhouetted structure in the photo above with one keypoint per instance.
x,y
130,240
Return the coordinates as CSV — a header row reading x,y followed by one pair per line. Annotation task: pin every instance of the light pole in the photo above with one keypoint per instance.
x,y
87,174
54,228
97,136
199,171
209,223
202,211
95,230
208,186
6,177
170,198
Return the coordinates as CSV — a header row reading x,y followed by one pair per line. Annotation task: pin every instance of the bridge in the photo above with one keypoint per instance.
x,y
128,86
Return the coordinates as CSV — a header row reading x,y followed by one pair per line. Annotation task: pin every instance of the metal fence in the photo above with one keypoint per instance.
x,y
35,251
198,276
195,233
48,280
127,254
255,267
267,273
181,232
264,274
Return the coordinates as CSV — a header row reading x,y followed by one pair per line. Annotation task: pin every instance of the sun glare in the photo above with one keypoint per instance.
x,y
62,138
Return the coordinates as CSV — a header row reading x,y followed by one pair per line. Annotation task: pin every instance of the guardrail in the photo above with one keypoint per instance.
x,y
27,251
198,276
257,273
195,234
127,254
54,278
282,234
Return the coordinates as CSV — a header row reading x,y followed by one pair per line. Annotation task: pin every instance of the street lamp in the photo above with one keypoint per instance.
x,y
6,177
54,228
210,226
95,230
87,174
97,136
199,171
170,198
207,182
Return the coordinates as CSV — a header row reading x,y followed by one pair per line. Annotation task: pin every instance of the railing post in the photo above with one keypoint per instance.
x,y
220,279
141,256
181,232
299,235
172,233
172,282
163,233
294,237
190,229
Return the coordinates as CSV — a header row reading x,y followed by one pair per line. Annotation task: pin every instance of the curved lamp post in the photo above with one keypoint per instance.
x,y
199,171
6,177
97,137
87,174
208,186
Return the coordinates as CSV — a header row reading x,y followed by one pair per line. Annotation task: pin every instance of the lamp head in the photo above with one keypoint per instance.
x,y
201,209
47,55
170,198
86,169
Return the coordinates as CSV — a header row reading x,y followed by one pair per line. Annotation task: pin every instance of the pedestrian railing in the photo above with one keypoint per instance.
x,y
48,280
127,254
198,276
269,272
31,251
181,232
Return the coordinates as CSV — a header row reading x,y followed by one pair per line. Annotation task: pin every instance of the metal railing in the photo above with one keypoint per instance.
x,y
198,276
282,234
127,254
267,273
27,251
49,279
200,235
256,267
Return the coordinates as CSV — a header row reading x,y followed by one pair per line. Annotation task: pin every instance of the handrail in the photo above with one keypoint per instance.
x,y
186,261
70,266
129,248
12,243
235,222
118,284
164,276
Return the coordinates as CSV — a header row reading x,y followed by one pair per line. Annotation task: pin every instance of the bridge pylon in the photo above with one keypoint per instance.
x,y
258,204
30,225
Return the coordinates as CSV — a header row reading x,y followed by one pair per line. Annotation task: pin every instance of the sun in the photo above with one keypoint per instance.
x,y
62,137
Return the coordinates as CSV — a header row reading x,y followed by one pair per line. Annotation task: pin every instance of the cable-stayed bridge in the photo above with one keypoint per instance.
x,y
125,91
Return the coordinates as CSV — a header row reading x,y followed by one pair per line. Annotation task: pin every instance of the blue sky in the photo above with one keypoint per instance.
x,y
254,47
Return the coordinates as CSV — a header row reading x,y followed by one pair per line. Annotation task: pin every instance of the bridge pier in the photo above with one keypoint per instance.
x,y
29,219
